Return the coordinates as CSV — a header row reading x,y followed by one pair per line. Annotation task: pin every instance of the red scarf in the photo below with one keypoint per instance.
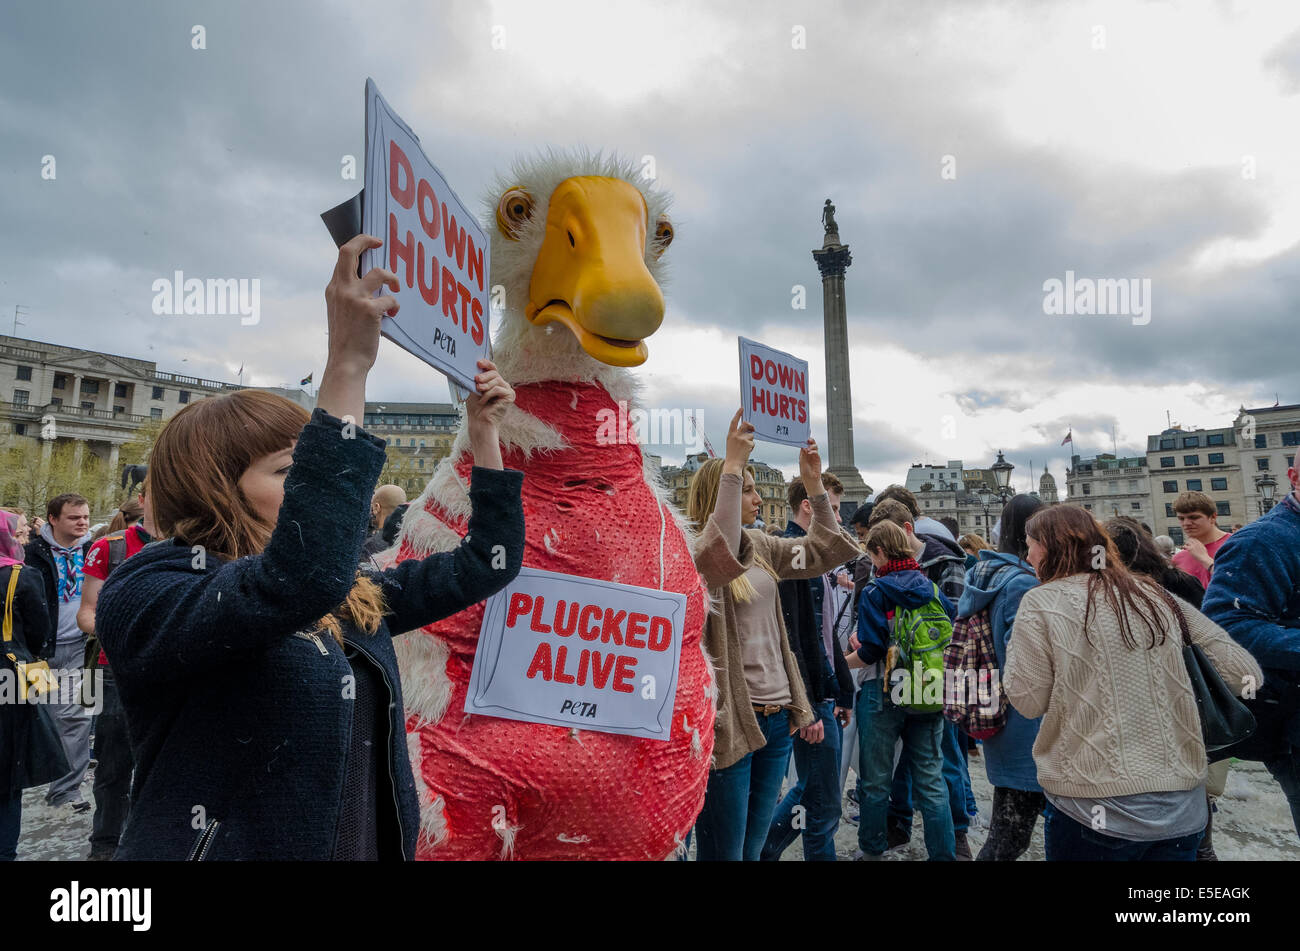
x,y
898,564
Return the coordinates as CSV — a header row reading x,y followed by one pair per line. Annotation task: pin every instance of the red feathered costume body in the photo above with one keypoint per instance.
x,y
536,791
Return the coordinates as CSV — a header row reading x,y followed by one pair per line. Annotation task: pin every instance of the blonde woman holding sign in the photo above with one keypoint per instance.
x,y
761,697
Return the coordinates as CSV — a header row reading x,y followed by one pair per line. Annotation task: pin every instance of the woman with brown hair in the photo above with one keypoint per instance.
x,y
762,700
972,544
1144,557
1096,651
254,660
130,512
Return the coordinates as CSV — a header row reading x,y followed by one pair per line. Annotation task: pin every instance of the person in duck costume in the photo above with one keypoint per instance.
x,y
577,245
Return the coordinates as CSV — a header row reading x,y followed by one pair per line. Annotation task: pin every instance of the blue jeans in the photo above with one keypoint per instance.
x,y
1070,841
880,724
956,775
817,792
11,823
740,799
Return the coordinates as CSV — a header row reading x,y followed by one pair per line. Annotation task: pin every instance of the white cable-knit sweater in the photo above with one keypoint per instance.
x,y
1115,721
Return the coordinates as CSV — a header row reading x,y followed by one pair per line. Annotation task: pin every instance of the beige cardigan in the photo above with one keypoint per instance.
x,y
736,732
1115,721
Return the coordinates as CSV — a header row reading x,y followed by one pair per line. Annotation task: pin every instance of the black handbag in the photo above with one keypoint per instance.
x,y
39,754
1225,720
1274,706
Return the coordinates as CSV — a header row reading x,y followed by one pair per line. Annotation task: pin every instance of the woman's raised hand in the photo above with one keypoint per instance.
x,y
354,314
353,310
488,406
740,443
484,411
810,468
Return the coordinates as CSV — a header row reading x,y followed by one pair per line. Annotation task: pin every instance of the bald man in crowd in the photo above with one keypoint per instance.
x,y
382,503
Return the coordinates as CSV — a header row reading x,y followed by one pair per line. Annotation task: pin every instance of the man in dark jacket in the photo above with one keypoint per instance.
x,y
1254,595
383,503
943,563
812,806
58,554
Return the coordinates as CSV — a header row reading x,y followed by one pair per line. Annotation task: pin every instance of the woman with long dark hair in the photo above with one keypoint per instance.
x,y
1143,557
1097,653
254,661
996,585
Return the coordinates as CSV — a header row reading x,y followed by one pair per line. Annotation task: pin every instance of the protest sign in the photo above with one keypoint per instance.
x,y
577,652
431,242
774,394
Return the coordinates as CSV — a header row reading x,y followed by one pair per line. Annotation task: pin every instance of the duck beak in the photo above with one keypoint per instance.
x,y
590,274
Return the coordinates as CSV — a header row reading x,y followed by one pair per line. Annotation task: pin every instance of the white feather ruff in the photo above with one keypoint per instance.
x,y
422,662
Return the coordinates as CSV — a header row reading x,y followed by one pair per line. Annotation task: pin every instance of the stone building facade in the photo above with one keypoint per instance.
x,y
769,481
1108,485
1047,488
97,401
419,436
1269,438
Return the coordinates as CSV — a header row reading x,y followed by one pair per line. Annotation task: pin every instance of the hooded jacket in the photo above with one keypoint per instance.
x,y
898,589
996,584
944,563
40,556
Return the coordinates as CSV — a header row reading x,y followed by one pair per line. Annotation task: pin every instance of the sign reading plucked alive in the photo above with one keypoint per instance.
x,y
578,652
774,393
431,242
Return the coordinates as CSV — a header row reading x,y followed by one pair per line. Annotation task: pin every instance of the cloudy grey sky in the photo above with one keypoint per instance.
x,y
1153,141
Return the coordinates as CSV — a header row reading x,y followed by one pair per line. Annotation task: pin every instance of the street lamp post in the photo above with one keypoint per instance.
x,y
1002,472
1266,486
985,495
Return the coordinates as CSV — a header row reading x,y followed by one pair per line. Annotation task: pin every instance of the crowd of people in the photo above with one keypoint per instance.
x,y
1086,622
240,611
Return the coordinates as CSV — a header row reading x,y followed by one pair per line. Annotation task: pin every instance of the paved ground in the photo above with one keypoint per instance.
x,y
54,834
1253,822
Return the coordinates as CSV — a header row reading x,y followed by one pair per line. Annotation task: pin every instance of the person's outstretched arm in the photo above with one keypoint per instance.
x,y
724,551
489,557
827,544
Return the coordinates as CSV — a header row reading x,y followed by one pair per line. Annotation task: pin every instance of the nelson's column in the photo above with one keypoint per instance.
x,y
832,259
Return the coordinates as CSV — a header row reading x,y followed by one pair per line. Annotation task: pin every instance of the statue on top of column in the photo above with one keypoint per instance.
x,y
828,217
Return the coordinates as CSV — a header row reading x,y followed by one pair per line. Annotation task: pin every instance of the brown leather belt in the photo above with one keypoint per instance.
x,y
767,709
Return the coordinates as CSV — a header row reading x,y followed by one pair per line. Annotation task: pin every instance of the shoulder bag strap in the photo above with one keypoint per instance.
x,y
9,604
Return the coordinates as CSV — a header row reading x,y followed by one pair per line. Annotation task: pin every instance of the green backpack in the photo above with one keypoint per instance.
x,y
915,678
